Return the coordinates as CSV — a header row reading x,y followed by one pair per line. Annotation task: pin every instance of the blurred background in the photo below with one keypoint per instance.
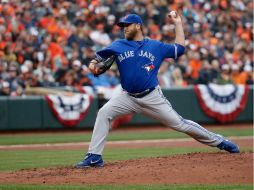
x,y
46,43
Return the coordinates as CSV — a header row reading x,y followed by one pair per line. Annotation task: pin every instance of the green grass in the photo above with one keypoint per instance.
x,y
126,187
113,136
15,160
12,160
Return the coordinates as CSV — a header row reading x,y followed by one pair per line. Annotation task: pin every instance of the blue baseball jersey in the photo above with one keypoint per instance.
x,y
139,61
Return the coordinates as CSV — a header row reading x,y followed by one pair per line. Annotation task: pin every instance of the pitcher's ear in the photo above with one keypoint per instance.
x,y
138,26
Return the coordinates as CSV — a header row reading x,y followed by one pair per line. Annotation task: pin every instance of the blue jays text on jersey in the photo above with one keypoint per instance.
x,y
128,54
139,61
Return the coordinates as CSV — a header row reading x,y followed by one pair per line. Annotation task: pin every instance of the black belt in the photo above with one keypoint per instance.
x,y
141,94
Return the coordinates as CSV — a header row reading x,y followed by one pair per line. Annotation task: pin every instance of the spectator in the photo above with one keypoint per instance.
x,y
247,75
115,33
236,74
215,70
76,67
112,77
46,37
224,76
194,66
18,92
84,79
165,79
168,34
205,76
34,81
13,78
70,79
87,56
101,80
3,70
177,78
47,80
25,76
111,20
60,73
5,89
99,36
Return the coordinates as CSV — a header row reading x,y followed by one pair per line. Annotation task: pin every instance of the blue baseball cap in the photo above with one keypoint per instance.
x,y
130,19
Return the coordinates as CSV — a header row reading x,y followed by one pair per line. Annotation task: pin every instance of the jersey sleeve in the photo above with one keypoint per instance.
x,y
106,52
172,50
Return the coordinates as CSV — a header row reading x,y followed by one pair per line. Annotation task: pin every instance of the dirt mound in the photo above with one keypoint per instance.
x,y
195,168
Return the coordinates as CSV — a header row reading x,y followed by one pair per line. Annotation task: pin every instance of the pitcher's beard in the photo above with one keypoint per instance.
x,y
131,35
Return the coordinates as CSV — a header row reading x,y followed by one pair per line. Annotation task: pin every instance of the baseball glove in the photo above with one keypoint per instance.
x,y
105,64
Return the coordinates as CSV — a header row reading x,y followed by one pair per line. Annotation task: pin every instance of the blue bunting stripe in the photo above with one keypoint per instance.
x,y
222,99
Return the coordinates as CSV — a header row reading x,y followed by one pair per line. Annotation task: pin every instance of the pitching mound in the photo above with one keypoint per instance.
x,y
196,168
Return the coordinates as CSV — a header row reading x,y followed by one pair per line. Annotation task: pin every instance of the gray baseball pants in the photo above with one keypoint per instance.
x,y
154,105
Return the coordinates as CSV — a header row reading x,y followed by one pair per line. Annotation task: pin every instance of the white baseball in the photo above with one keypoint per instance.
x,y
173,14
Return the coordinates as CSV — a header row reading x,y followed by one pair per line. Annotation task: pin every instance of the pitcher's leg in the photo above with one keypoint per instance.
x,y
199,133
158,107
117,106
207,137
176,122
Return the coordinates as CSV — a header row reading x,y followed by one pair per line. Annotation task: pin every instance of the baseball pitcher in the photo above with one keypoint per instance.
x,y
138,60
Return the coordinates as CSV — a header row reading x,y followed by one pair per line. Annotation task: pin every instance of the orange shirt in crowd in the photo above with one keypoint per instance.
x,y
9,11
55,50
2,45
195,65
244,33
64,32
195,42
237,78
243,78
51,26
46,21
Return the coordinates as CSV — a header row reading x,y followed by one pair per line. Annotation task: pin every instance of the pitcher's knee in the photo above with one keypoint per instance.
x,y
105,112
102,112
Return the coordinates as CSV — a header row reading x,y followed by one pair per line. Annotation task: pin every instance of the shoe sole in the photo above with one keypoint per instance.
x,y
89,166
84,167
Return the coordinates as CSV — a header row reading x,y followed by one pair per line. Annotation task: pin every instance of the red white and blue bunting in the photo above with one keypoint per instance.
x,y
71,109
222,102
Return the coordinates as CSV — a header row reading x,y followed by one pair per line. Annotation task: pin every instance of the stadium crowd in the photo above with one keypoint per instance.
x,y
47,43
